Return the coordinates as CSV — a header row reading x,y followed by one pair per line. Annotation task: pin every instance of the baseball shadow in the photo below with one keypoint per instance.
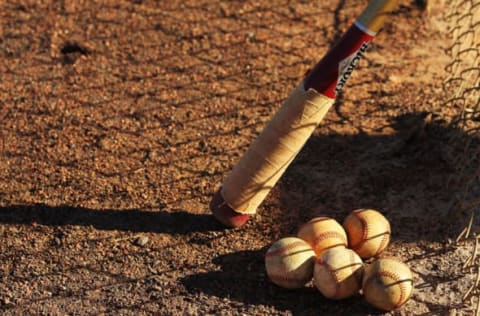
x,y
242,278
171,221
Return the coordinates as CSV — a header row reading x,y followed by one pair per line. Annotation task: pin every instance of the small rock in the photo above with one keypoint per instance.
x,y
141,241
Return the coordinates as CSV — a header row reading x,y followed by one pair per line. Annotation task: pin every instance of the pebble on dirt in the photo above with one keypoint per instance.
x,y
141,241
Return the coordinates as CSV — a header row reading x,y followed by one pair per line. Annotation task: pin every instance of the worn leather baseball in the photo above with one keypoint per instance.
x,y
368,232
338,273
387,283
289,262
323,233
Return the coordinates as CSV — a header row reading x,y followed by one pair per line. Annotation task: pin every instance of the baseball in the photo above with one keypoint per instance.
x,y
338,273
387,283
323,233
368,232
289,262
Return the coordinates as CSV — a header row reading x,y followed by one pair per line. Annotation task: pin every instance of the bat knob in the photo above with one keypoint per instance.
x,y
225,214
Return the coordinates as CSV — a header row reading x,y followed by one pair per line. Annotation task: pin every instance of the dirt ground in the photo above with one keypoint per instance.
x,y
119,120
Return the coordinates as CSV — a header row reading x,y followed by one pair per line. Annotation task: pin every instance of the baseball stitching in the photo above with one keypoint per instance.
x,y
360,276
366,233
333,275
285,249
383,243
365,230
396,278
329,234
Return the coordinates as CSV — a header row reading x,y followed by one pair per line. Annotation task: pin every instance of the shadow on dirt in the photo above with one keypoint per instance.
x,y
410,174
242,278
173,222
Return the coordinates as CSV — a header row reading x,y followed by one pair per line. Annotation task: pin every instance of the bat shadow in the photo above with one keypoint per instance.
x,y
242,278
410,174
171,221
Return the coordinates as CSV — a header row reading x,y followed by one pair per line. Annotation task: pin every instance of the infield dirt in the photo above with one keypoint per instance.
x,y
119,120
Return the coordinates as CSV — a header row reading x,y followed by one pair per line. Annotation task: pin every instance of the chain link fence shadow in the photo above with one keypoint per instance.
x,y
122,117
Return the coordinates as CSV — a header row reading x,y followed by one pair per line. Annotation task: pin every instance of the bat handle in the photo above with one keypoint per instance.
x,y
373,17
331,73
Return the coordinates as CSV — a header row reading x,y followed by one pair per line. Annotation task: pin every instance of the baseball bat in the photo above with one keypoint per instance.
x,y
282,138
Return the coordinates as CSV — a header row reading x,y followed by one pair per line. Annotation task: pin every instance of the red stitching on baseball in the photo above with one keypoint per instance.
x,y
358,277
327,235
396,278
333,274
383,243
285,249
365,229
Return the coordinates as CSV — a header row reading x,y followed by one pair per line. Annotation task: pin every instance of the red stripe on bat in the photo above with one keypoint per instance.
x,y
332,71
